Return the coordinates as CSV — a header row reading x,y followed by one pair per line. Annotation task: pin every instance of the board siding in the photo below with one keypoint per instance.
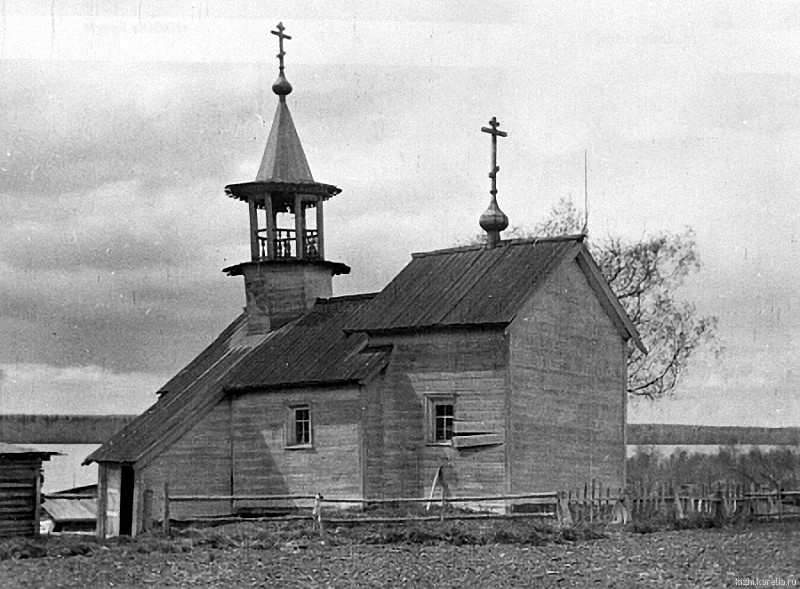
x,y
567,405
199,463
471,366
265,465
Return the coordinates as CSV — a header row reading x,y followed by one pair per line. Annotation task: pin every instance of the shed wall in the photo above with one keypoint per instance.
x,y
568,373
19,495
468,364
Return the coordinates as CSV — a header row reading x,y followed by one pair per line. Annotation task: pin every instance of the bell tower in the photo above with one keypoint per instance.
x,y
287,270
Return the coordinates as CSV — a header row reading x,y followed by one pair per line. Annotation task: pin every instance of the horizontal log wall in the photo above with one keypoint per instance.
x,y
568,372
19,476
264,463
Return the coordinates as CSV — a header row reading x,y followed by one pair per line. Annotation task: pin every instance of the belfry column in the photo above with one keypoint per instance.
x,y
320,230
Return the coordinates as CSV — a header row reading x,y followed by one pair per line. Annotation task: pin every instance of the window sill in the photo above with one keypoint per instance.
x,y
446,444
299,447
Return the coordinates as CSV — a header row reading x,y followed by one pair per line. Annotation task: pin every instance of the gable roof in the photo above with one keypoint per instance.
x,y
311,350
477,285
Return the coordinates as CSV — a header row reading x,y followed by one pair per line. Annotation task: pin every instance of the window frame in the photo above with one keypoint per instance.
x,y
292,422
432,401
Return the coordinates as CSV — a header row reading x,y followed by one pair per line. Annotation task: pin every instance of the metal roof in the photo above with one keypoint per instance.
x,y
474,285
311,350
314,351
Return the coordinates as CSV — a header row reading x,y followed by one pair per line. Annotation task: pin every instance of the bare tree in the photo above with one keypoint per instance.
x,y
645,277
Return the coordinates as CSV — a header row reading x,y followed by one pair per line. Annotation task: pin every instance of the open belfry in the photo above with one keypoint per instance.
x,y
499,368
287,271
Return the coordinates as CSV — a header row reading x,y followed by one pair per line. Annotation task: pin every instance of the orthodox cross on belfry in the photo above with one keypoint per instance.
x,y
495,133
281,36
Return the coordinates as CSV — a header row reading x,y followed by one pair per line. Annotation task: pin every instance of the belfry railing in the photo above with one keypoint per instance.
x,y
285,244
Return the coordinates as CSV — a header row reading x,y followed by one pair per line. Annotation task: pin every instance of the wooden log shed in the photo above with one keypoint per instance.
x,y
20,490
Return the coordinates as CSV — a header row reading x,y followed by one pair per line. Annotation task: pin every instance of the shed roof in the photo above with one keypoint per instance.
x,y
7,449
314,351
71,510
309,351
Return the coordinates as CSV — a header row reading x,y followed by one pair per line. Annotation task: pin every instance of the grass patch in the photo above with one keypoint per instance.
x,y
60,546
661,523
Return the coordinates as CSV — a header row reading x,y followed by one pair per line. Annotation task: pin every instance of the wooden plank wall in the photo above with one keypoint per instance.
x,y
468,364
19,500
198,463
568,397
264,464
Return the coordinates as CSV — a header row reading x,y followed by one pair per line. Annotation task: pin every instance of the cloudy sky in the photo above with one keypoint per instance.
x,y
121,122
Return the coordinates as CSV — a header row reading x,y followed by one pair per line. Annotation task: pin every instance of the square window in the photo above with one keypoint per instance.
x,y
441,415
298,428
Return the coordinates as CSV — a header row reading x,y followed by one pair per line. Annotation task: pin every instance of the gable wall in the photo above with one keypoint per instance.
x,y
199,463
568,371
470,364
265,465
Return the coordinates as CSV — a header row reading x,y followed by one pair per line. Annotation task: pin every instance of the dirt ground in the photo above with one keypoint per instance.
x,y
686,558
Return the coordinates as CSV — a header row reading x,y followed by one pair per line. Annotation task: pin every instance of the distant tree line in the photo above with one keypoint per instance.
x,y
776,467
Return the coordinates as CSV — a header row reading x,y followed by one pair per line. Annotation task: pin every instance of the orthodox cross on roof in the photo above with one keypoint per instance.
x,y
495,133
281,36
493,220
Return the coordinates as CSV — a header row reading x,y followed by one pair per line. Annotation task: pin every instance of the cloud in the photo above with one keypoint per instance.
x,y
76,126
113,226
45,389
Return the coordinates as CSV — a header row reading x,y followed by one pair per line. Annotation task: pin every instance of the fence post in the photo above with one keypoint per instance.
x,y
679,511
719,505
562,509
166,508
583,503
317,512
701,503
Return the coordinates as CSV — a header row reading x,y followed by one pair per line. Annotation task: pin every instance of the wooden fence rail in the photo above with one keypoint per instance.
x,y
544,499
592,504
